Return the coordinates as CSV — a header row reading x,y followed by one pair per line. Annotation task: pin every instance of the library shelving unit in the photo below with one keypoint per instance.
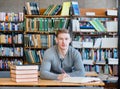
x,y
39,35
11,39
95,35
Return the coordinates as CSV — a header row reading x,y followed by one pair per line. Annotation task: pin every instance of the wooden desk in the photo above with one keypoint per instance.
x,y
91,74
47,84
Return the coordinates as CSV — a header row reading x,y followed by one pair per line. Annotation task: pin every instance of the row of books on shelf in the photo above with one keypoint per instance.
x,y
16,39
99,54
108,70
67,8
11,16
87,19
24,73
5,63
32,8
38,40
34,56
94,25
85,25
107,42
11,51
108,61
10,26
46,24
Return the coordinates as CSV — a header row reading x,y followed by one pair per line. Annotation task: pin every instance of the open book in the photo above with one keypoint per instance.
x,y
81,79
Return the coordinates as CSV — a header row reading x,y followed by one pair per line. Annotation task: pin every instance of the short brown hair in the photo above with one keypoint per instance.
x,y
62,31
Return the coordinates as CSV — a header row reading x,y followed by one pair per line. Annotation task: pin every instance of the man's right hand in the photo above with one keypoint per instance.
x,y
62,76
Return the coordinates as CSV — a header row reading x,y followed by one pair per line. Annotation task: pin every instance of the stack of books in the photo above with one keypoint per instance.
x,y
24,73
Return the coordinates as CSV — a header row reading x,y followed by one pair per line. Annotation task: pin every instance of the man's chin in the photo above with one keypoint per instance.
x,y
64,48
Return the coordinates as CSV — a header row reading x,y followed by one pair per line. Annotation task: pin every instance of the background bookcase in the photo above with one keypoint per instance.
x,y
98,48
11,39
87,37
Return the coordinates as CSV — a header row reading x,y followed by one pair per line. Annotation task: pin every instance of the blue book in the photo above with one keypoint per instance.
x,y
75,7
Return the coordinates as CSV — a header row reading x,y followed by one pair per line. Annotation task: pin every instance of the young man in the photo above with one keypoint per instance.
x,y
61,60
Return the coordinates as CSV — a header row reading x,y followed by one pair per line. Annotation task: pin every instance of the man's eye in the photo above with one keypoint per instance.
x,y
66,39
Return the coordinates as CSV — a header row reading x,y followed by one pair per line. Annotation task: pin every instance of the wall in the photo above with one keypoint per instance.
x,y
17,5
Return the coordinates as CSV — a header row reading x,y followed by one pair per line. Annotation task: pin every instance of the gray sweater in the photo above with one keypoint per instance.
x,y
52,64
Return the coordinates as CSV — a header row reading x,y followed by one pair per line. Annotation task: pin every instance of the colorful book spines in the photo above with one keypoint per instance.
x,y
10,26
33,56
11,52
46,24
53,10
11,39
11,16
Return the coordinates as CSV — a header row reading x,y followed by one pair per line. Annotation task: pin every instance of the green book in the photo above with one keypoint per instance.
x,y
56,10
27,56
40,24
61,23
48,9
46,24
32,24
101,26
98,25
49,24
95,25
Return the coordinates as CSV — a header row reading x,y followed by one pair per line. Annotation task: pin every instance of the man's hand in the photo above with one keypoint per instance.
x,y
62,76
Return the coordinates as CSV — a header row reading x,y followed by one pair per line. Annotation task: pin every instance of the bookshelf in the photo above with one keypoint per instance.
x,y
96,46
11,39
40,32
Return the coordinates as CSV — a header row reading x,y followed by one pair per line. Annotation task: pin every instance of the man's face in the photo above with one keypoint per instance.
x,y
63,40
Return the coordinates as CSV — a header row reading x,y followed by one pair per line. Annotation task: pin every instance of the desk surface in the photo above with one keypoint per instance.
x,y
91,74
43,83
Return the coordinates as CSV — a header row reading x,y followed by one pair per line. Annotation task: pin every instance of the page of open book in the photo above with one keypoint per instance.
x,y
81,79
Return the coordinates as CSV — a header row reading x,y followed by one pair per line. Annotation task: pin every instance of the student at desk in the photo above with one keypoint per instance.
x,y
61,60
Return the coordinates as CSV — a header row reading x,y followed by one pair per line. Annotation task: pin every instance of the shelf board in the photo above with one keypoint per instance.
x,y
4,69
94,33
37,48
11,45
45,16
12,31
96,16
39,32
75,16
12,21
12,57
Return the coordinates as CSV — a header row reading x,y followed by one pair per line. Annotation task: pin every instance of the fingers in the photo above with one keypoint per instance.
x,y
62,76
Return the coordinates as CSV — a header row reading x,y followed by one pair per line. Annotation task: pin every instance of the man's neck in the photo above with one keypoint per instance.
x,y
62,52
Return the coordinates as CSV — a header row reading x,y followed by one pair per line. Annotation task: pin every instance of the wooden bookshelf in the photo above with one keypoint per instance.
x,y
99,12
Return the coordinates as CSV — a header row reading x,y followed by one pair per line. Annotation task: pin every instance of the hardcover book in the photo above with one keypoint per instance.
x,y
75,7
25,79
24,75
65,8
34,67
24,71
